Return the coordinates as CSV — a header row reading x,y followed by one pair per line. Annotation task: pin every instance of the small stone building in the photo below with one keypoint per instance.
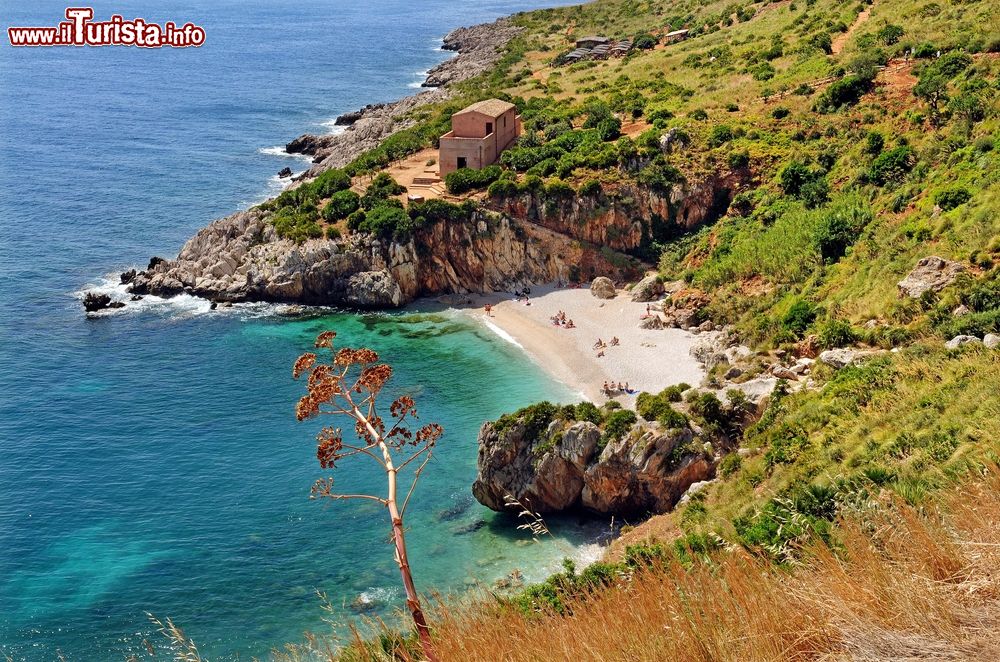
x,y
478,135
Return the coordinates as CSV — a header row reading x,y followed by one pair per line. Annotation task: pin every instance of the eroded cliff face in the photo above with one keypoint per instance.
x,y
565,468
241,258
629,216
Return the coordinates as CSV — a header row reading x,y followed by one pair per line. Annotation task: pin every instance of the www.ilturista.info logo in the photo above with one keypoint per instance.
x,y
81,30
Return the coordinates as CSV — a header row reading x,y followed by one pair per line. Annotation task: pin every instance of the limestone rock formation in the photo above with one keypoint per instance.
x,y
479,48
603,288
648,474
649,288
930,274
991,340
241,258
563,469
844,356
959,341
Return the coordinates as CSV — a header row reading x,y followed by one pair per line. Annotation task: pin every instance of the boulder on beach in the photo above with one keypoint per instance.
x,y
649,288
603,288
285,172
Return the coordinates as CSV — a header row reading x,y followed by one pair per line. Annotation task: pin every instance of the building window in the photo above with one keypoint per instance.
x,y
462,162
489,128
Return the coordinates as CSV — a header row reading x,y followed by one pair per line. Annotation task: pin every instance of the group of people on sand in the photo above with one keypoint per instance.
x,y
559,319
600,345
611,388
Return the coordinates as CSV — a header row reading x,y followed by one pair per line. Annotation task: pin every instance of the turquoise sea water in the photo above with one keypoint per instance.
x,y
149,459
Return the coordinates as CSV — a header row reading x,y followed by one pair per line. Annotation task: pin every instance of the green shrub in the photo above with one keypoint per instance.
x,y
382,188
671,419
330,182
503,188
332,232
952,197
822,41
892,165
874,143
799,317
388,222
556,188
535,418
617,425
645,41
709,408
739,160
610,129
730,464
588,411
780,113
466,179
836,333
842,93
355,220
720,135
590,188
438,211
837,229
341,205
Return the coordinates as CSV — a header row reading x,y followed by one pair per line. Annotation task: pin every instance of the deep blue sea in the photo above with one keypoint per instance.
x,y
149,459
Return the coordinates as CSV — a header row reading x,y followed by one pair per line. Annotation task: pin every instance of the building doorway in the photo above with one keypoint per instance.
x,y
463,162
489,128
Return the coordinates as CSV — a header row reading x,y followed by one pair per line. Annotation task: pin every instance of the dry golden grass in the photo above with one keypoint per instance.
x,y
901,584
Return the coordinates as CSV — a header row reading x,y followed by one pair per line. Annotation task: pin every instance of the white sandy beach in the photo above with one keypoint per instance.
x,y
648,360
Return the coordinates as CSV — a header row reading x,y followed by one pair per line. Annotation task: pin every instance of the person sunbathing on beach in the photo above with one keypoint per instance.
x,y
627,389
620,387
599,344
570,325
489,310
606,389
614,341
600,354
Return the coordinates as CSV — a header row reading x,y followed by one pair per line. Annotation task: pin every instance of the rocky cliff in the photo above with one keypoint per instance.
x,y
629,216
568,466
241,258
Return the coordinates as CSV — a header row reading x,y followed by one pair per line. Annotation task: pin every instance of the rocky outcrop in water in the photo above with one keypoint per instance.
x,y
241,258
93,302
567,467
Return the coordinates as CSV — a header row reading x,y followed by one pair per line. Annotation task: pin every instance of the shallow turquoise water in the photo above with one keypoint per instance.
x,y
150,460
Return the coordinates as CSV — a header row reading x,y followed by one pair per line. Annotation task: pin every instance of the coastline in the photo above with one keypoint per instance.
x,y
647,359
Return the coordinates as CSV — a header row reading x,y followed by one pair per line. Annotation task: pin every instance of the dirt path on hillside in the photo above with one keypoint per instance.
x,y
841,40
